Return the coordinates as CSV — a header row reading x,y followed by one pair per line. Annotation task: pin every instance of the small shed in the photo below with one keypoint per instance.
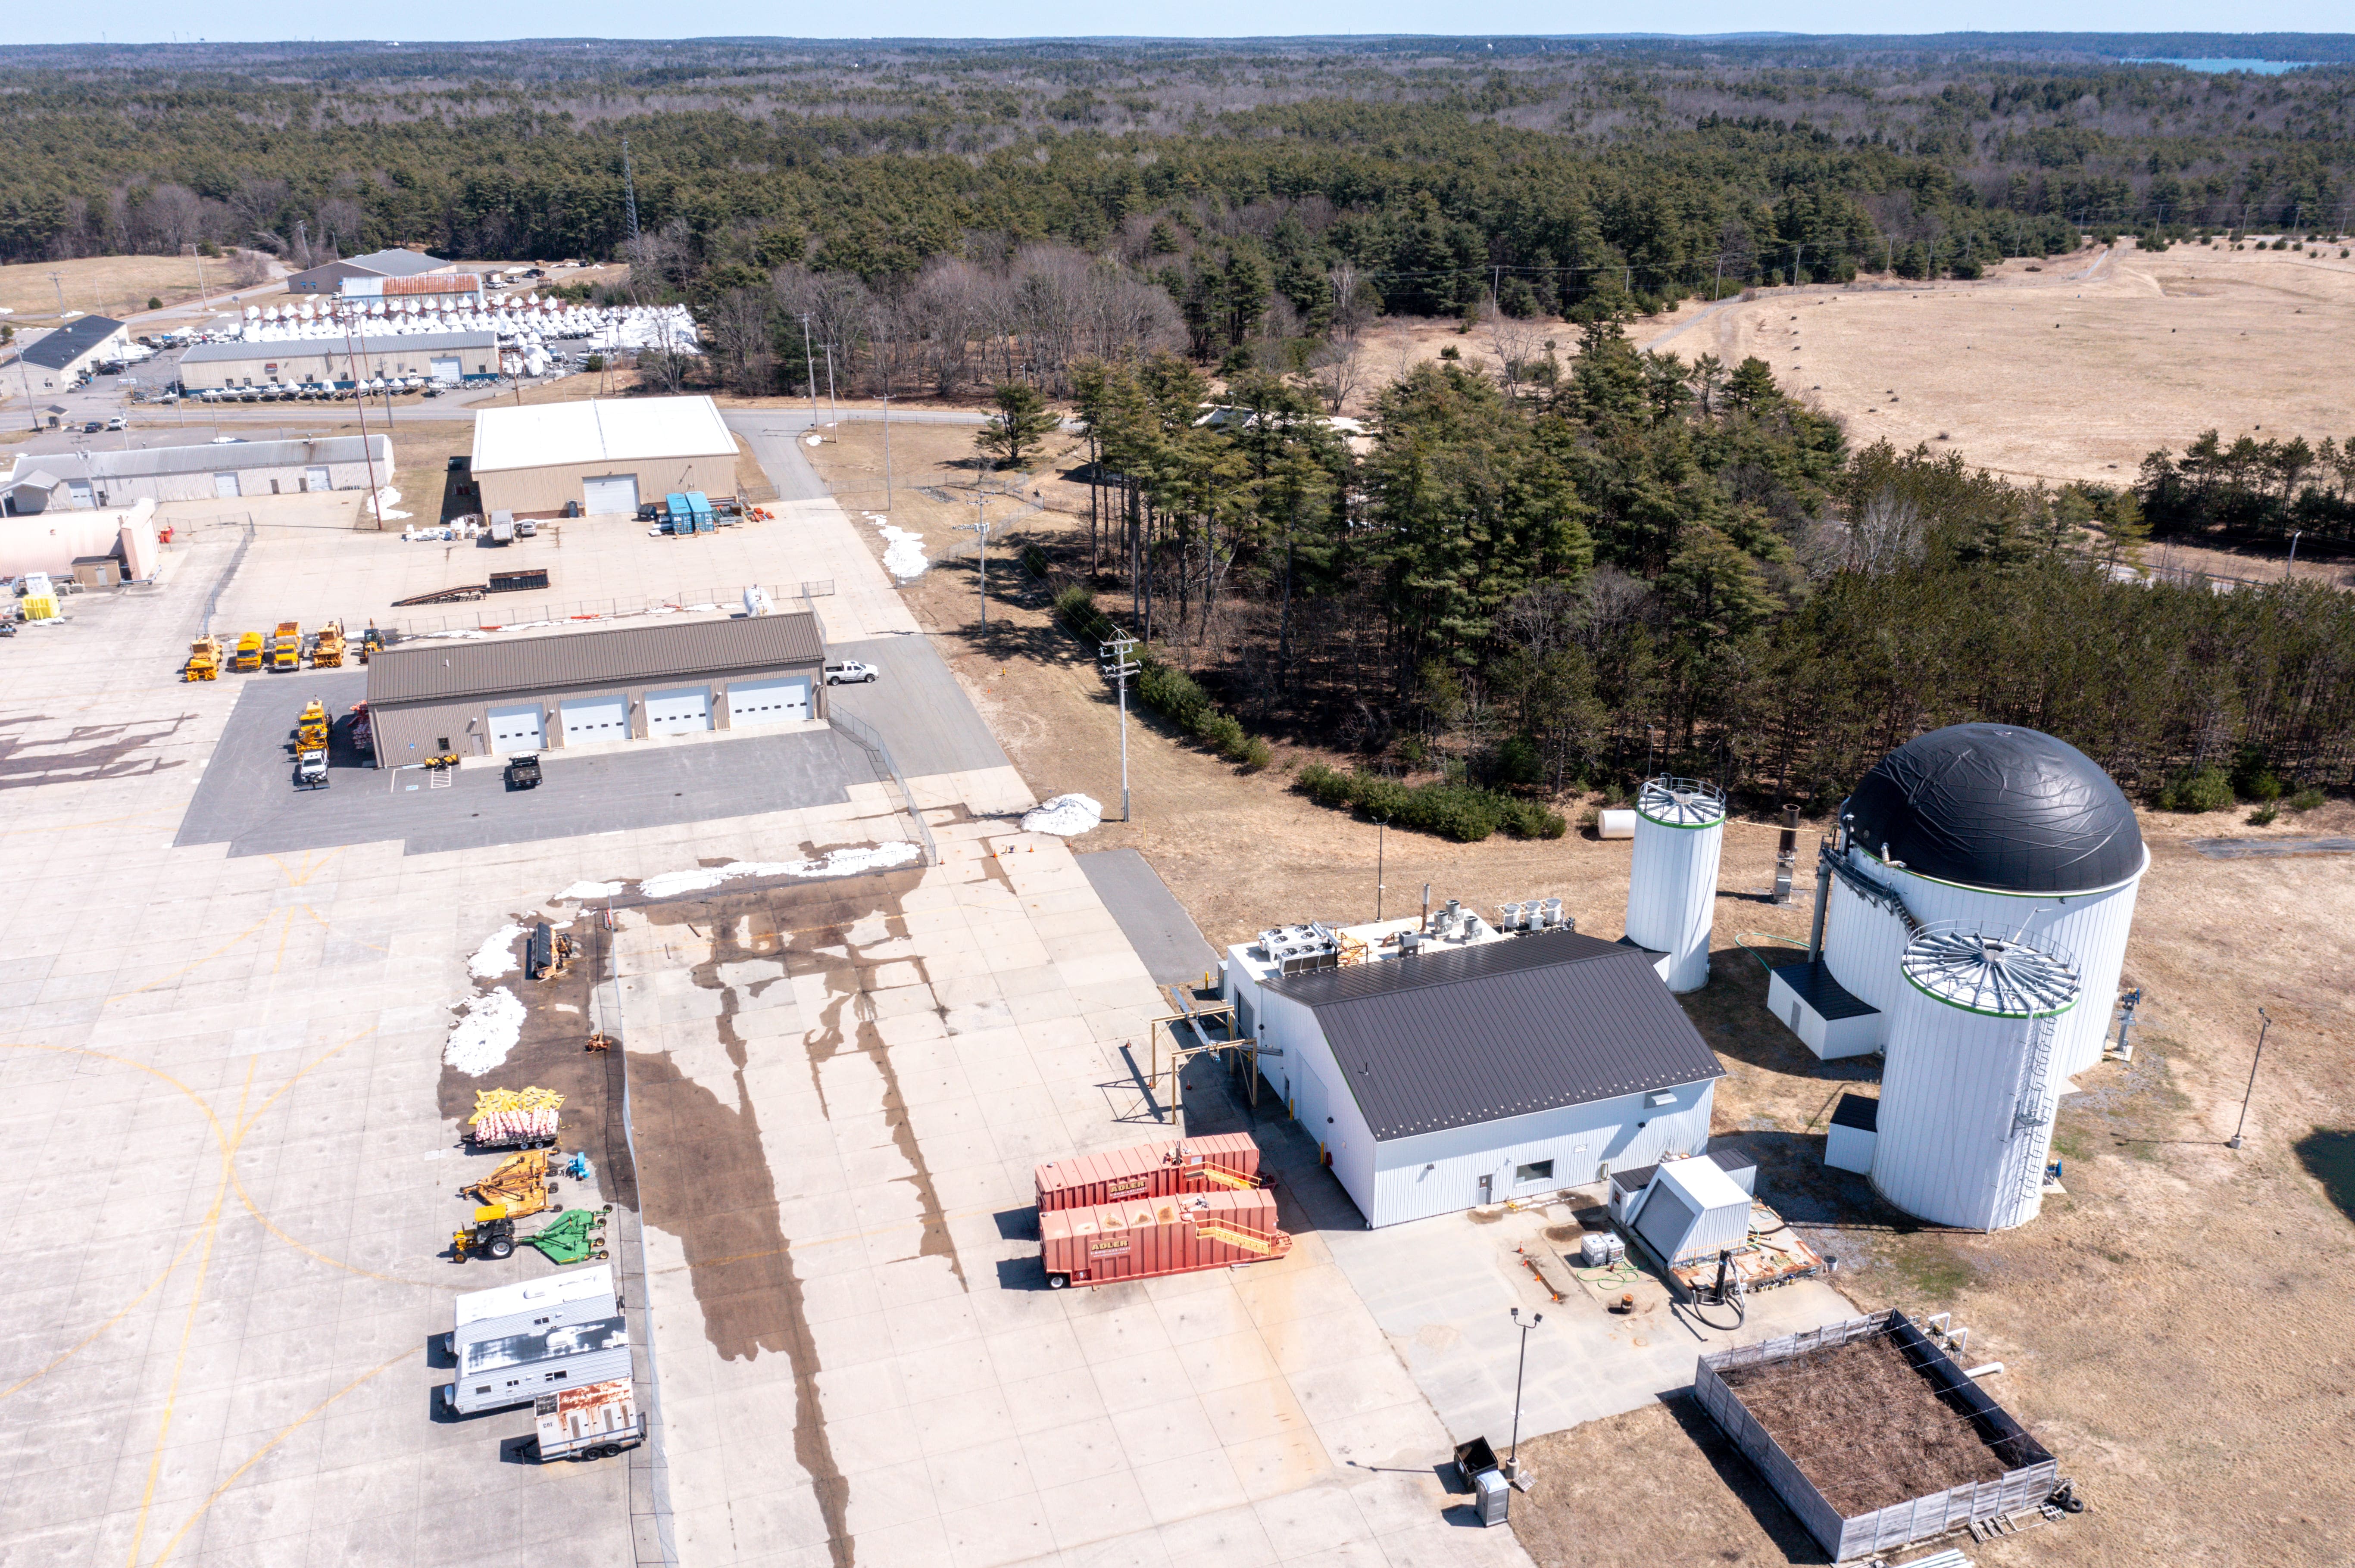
x,y
1855,1130
1692,1211
98,571
1628,1187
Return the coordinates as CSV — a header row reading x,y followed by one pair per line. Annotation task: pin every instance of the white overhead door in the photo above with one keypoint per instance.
x,y
78,489
520,727
784,700
443,368
680,711
596,718
614,492
318,479
225,484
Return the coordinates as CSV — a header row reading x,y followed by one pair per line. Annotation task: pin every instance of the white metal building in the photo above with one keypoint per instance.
x,y
602,455
100,478
73,349
1672,884
2004,830
1502,1068
1968,1095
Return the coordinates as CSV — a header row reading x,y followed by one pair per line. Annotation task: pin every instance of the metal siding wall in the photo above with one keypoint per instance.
x,y
1672,897
1946,1101
1863,943
1462,1155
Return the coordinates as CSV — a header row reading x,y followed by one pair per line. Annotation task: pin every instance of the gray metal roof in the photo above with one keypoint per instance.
x,y
301,347
397,263
1732,1161
1500,1030
145,462
71,342
443,670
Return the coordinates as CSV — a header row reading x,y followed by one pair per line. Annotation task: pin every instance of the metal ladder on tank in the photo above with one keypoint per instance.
x,y
2025,1175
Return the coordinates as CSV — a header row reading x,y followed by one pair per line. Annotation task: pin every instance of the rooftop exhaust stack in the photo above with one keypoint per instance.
x,y
1672,887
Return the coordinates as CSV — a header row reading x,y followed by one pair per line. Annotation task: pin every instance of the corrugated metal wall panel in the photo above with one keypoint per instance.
x,y
1947,1094
1580,1139
1672,897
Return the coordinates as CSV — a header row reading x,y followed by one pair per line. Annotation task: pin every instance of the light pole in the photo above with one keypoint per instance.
x,y
809,365
1382,842
1513,1457
2235,1141
2292,566
1119,666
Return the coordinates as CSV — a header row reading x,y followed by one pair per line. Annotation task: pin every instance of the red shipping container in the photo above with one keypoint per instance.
x,y
1144,1238
1227,1162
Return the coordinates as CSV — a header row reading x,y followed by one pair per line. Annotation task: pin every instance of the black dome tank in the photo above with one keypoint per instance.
x,y
1995,806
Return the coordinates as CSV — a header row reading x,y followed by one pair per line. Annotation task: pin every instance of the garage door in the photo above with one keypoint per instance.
x,y
318,479
781,701
596,718
224,484
443,369
518,729
681,712
614,492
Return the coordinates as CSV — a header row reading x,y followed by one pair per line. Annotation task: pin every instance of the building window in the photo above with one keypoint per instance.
x,y
1539,1170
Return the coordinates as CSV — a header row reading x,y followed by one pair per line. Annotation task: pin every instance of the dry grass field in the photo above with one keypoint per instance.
x,y
104,285
2073,372
2174,1328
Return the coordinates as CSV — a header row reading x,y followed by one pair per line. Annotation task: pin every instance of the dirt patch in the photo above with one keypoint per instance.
x,y
1866,1425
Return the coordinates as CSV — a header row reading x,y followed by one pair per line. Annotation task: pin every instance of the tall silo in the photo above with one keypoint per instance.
x,y
1672,884
1972,1082
2003,829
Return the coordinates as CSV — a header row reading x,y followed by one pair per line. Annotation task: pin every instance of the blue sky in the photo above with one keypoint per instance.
x,y
140,21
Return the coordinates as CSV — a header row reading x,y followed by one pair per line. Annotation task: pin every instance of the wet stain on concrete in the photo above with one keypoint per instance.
x,y
807,930
84,753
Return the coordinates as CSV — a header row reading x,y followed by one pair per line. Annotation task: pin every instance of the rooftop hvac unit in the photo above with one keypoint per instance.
x,y
1672,885
1965,1121
1294,949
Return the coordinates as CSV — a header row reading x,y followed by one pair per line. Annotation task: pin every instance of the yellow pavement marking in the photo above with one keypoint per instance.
x,y
259,1453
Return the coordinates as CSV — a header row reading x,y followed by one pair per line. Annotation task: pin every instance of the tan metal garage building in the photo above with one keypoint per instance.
x,y
602,455
520,695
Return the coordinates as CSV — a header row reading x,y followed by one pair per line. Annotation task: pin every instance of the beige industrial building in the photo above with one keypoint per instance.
x,y
445,357
521,695
55,481
602,455
73,544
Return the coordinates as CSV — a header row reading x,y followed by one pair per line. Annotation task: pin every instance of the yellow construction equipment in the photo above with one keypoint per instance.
x,y
286,646
519,1185
327,648
311,730
204,659
248,657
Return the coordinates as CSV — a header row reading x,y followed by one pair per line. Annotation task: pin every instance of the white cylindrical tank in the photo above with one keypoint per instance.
x,y
1672,883
1971,1083
2007,830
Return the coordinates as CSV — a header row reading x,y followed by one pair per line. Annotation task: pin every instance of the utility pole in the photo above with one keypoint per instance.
x,y
1120,667
2235,1141
1513,1457
1382,842
2292,566
980,531
832,406
809,367
56,282
359,401
887,446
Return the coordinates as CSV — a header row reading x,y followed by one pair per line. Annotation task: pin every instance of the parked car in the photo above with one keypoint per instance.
x,y
91,429
118,423
850,672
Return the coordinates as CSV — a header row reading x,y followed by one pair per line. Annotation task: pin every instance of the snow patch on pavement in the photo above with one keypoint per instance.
x,y
581,892
495,956
383,501
480,1040
843,861
1063,816
903,552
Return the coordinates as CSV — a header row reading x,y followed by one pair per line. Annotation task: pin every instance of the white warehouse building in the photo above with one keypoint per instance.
x,y
1989,827
1508,1066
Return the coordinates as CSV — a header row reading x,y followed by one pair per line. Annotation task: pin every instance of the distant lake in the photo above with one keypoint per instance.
x,y
2255,68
